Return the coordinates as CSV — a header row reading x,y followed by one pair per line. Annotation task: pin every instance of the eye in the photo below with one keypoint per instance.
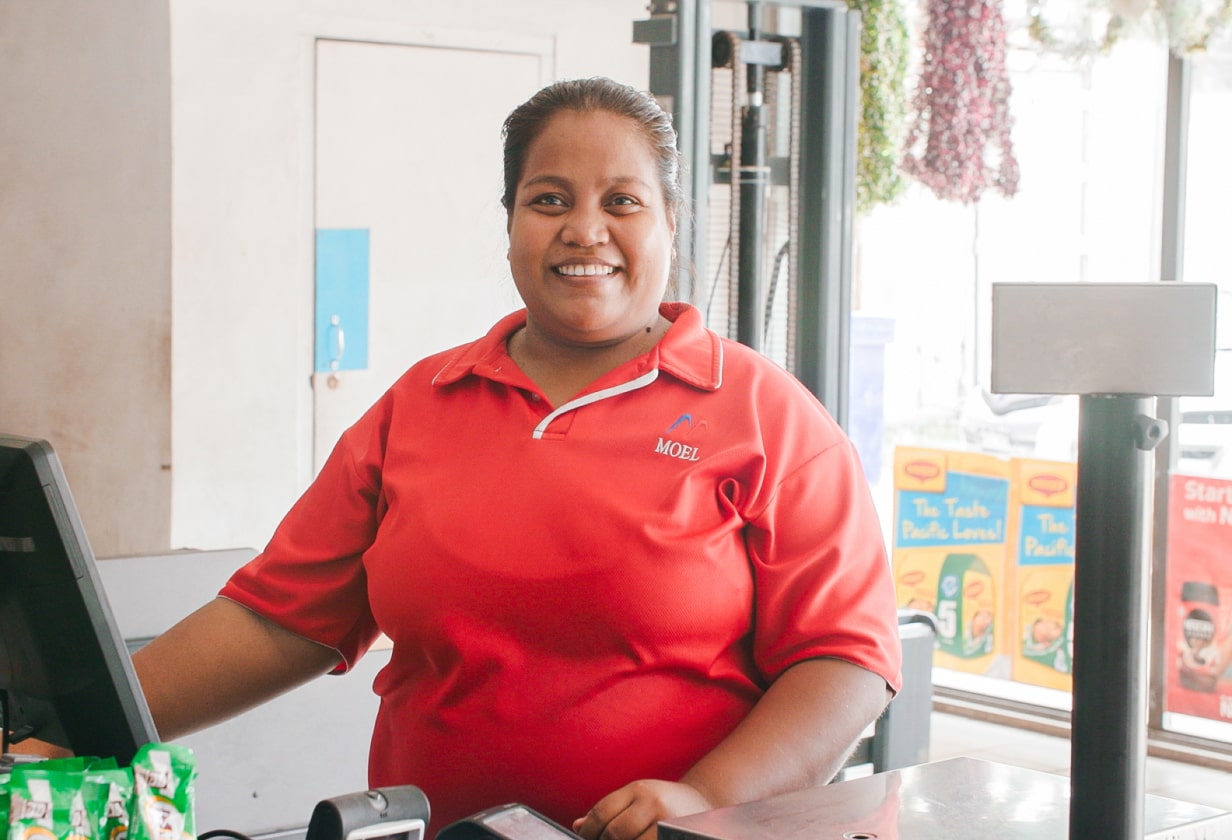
x,y
548,201
623,203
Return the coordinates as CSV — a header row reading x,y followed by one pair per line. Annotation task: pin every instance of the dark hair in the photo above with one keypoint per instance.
x,y
594,94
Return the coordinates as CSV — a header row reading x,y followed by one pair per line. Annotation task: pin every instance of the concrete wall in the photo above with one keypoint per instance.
x,y
85,233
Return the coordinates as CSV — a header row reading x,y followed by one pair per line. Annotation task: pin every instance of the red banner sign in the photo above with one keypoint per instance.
x,y
1198,624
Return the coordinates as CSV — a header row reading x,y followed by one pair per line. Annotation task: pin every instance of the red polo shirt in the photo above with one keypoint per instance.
x,y
584,596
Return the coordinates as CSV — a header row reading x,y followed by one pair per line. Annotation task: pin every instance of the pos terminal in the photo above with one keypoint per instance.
x,y
512,821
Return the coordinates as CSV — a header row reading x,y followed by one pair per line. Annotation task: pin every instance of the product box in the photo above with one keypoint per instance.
x,y
1042,496
949,552
1198,616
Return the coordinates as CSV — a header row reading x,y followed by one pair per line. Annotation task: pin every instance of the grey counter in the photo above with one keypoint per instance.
x,y
955,799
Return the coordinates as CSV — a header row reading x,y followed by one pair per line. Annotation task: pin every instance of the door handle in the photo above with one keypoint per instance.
x,y
338,342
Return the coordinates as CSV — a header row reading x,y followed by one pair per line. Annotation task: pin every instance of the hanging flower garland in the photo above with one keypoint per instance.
x,y
884,46
959,142
1187,26
1096,28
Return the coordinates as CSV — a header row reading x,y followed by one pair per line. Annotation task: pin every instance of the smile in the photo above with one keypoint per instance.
x,y
584,270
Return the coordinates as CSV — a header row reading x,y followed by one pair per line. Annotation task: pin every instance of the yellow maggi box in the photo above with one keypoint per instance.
x,y
1042,497
949,550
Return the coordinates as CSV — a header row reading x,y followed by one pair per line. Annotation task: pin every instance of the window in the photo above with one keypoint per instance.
x,y
1089,137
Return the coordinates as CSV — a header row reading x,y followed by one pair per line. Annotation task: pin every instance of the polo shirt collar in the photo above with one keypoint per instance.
x,y
688,351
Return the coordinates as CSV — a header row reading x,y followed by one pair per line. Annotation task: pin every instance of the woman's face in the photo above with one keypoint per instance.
x,y
590,240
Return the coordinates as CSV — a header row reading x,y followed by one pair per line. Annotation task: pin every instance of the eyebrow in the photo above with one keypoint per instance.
x,y
558,181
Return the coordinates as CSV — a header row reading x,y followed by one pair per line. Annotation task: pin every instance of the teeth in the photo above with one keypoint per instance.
x,y
584,270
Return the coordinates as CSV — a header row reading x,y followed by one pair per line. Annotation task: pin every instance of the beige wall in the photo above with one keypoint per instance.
x,y
156,221
85,233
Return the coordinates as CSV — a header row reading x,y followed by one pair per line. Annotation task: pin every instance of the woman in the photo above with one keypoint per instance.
x,y
631,570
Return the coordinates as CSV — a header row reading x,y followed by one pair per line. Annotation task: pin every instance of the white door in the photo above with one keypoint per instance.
x,y
410,231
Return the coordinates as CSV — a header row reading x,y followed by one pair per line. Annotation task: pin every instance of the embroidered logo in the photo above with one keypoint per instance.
x,y
684,427
690,427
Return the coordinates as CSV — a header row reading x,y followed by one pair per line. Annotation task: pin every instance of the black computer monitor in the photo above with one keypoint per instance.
x,y
65,673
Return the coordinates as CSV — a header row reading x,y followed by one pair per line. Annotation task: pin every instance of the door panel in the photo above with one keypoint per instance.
x,y
408,149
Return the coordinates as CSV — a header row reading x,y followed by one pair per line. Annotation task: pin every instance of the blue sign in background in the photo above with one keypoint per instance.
x,y
1046,535
341,300
971,511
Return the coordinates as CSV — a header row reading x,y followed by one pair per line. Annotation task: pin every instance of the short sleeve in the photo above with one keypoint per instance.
x,y
824,587
310,579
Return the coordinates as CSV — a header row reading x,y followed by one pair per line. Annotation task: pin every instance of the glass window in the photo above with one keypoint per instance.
x,y
1197,615
976,489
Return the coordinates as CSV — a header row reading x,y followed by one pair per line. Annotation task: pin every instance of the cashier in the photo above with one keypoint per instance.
x,y
631,570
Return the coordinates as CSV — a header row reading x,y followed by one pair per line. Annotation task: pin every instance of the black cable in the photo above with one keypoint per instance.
x,y
774,283
714,287
4,722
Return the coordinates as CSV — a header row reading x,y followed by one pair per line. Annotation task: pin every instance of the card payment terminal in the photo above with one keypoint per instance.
x,y
512,821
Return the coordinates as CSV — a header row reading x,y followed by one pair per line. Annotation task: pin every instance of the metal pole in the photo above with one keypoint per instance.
x,y
754,177
1176,140
1108,741
1171,268
678,34
830,40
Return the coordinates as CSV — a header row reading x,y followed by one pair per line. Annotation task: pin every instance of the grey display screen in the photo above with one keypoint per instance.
x,y
520,824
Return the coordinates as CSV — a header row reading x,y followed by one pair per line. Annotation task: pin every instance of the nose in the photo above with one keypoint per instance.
x,y
585,227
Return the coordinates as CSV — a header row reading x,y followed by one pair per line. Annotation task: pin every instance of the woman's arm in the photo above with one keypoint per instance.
x,y
798,735
219,661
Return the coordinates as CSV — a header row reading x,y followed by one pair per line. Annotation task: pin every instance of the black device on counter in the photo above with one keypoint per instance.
x,y
512,821
65,673
390,813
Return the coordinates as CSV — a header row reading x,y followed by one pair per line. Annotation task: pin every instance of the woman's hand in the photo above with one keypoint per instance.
x,y
633,812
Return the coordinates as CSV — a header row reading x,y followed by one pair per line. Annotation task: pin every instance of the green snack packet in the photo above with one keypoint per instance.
x,y
163,805
108,793
81,825
71,764
108,763
38,806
